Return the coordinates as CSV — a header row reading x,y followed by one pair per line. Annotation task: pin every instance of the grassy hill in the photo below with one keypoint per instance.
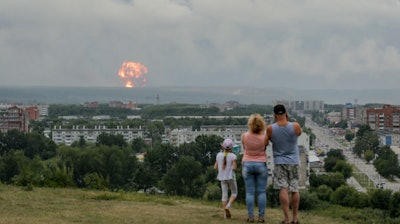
x,y
60,205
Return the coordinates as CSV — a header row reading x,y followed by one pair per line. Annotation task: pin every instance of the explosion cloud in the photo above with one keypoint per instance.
x,y
133,74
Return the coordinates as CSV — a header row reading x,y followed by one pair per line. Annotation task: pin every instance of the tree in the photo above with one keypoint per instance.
x,y
139,145
184,178
344,168
13,140
110,140
324,192
161,159
38,145
11,164
394,205
387,163
380,198
155,130
80,144
361,146
342,124
204,149
363,129
349,135
143,177
368,155
333,157
332,180
350,197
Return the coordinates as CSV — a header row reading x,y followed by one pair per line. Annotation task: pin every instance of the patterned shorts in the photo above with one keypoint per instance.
x,y
287,176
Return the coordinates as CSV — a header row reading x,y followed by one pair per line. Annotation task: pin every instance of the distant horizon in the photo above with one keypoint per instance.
x,y
193,94
199,86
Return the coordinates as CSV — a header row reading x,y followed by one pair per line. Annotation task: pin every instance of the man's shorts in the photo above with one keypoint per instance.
x,y
287,176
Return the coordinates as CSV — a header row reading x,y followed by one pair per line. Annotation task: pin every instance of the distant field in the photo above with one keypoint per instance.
x,y
56,205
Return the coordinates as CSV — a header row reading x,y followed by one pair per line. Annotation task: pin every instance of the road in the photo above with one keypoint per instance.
x,y
327,141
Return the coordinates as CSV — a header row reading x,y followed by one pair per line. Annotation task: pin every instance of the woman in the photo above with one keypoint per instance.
x,y
254,166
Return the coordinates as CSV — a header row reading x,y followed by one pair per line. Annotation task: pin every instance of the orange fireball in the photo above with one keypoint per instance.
x,y
133,74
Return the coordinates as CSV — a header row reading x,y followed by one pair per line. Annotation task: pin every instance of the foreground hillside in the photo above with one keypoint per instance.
x,y
60,205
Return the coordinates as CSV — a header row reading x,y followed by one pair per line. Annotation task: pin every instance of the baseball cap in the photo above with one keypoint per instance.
x,y
227,144
279,109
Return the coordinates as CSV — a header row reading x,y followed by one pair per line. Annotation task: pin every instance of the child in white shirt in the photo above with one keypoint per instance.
x,y
226,165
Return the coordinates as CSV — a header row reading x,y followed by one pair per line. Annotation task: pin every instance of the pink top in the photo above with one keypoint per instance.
x,y
254,148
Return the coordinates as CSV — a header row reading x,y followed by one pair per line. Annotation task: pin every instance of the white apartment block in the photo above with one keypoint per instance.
x,y
186,135
67,135
302,105
43,110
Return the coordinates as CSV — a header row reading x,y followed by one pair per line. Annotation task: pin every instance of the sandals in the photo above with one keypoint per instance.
x,y
261,220
227,213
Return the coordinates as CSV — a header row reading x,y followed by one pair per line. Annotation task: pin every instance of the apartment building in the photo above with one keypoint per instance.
x,y
302,105
349,112
386,118
67,136
13,118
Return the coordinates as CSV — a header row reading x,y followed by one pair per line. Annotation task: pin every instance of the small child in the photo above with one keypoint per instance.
x,y
226,165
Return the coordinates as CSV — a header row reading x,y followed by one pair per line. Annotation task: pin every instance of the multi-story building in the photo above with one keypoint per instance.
x,y
33,112
186,135
349,112
67,135
302,105
43,110
13,118
385,118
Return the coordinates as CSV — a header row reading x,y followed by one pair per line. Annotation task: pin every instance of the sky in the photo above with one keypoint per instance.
x,y
300,44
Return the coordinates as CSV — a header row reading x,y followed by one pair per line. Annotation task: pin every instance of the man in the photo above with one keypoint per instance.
x,y
283,136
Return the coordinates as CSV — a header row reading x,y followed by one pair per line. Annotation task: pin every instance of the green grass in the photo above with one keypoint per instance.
x,y
62,205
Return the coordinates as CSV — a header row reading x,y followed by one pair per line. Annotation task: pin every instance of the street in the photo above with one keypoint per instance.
x,y
327,141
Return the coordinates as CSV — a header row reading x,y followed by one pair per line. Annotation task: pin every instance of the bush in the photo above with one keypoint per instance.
x,y
379,198
213,192
394,205
95,181
272,197
344,195
360,200
332,180
324,193
308,200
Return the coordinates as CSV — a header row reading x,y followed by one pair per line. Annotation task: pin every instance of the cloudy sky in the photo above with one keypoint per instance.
x,y
303,44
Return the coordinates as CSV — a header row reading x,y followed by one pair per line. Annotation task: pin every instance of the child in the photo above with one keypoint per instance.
x,y
226,165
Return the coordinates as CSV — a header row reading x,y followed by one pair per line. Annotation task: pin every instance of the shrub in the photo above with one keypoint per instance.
x,y
213,192
95,181
379,198
394,205
324,192
344,195
308,200
272,196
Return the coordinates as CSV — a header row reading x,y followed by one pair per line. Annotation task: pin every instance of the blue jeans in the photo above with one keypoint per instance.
x,y
255,175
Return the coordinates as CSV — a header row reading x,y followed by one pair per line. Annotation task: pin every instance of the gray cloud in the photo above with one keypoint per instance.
x,y
306,44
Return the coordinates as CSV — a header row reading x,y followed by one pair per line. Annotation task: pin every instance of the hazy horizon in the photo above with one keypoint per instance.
x,y
191,95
